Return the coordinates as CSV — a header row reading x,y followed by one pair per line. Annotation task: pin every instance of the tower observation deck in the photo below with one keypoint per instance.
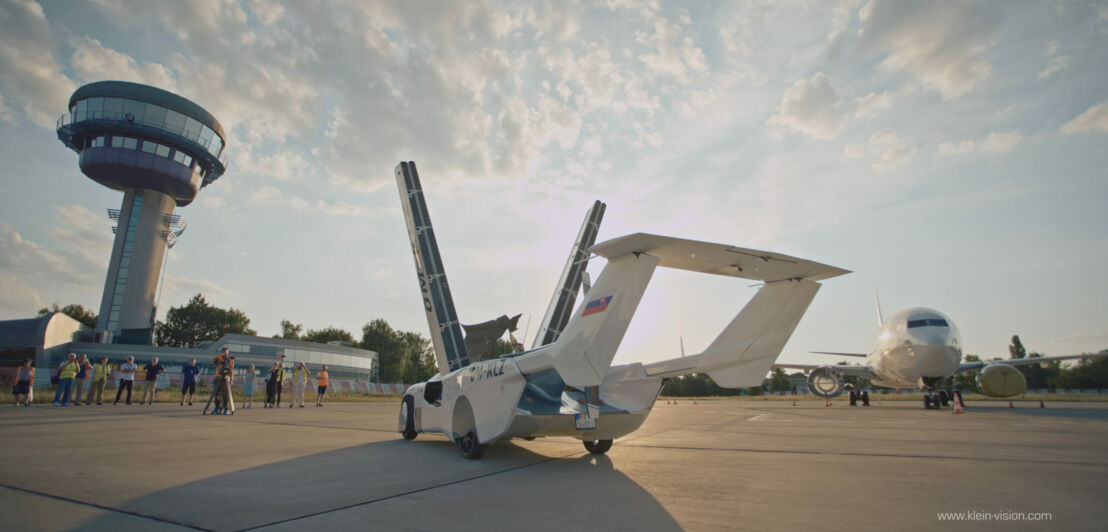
x,y
159,149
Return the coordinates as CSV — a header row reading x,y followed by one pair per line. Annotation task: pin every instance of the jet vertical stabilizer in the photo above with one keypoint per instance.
x,y
446,330
561,305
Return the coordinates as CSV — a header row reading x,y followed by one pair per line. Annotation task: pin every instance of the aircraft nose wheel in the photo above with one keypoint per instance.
x,y
473,450
598,446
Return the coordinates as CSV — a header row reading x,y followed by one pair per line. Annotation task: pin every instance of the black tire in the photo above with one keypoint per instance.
x,y
935,401
944,398
865,398
469,446
927,402
598,446
408,406
529,438
853,398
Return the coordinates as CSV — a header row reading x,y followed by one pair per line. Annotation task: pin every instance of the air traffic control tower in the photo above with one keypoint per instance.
x,y
159,149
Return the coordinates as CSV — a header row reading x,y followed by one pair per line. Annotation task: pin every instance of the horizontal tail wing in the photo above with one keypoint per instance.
x,y
718,259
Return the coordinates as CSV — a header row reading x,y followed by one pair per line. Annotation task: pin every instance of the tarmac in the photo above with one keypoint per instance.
x,y
714,465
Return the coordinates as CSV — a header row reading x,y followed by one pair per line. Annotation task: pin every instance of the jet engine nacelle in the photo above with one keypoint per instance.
x,y
1000,380
826,382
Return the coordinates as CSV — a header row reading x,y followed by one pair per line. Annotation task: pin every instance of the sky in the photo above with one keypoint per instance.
x,y
951,154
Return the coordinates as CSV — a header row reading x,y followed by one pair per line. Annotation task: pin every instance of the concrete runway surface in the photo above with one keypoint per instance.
x,y
716,465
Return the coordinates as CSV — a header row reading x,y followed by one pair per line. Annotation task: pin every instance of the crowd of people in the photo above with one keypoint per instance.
x,y
77,371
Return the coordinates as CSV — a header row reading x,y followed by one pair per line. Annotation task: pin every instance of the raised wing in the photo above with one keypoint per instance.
x,y
1021,361
866,372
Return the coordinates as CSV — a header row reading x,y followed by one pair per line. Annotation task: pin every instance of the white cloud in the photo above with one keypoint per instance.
x,y
93,62
177,287
29,76
942,44
952,148
340,208
21,256
1094,119
872,104
282,166
1057,62
1002,142
6,114
884,149
17,299
271,195
811,107
994,142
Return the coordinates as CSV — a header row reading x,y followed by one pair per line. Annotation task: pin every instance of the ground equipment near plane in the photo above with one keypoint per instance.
x,y
568,387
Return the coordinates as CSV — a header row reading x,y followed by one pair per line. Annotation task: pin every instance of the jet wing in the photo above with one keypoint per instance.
x,y
865,372
860,355
1021,361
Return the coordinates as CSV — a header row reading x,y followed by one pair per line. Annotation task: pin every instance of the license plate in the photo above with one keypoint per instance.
x,y
584,422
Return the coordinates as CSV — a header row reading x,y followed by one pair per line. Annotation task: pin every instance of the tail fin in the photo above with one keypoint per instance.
x,y
877,303
561,305
446,330
584,351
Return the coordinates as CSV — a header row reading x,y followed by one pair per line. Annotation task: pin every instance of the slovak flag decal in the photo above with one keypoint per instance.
x,y
597,306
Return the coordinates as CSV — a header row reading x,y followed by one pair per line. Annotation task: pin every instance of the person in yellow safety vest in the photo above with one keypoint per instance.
x,y
84,366
322,380
100,374
299,381
66,372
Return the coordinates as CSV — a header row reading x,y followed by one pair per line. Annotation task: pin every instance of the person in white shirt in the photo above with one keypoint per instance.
x,y
299,381
127,379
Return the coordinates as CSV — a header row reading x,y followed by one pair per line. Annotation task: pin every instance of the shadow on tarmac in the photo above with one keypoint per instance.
x,y
412,485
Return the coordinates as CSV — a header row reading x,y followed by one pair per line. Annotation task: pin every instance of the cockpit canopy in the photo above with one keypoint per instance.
x,y
929,322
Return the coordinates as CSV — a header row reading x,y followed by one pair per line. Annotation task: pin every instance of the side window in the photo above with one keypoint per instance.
x,y
432,393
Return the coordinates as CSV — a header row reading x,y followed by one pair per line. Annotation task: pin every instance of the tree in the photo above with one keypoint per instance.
x,y
779,382
401,356
1016,349
967,380
290,330
330,334
200,322
74,311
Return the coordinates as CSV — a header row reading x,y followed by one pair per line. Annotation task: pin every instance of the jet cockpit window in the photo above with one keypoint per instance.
x,y
933,322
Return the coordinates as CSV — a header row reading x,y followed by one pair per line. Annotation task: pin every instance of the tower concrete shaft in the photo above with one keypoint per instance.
x,y
127,308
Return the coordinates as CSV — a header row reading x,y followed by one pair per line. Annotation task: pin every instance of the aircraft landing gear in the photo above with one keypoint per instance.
x,y
865,398
944,398
853,398
469,446
598,446
927,401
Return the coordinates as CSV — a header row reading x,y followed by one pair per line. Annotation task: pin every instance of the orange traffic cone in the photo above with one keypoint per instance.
x,y
958,405
828,403
667,401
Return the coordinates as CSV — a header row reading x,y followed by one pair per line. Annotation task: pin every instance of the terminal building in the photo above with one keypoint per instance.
x,y
49,339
